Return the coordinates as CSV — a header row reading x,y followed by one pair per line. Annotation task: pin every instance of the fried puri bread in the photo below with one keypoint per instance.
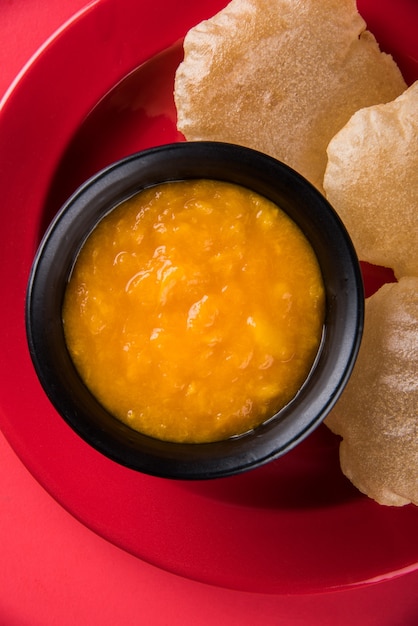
x,y
371,179
377,415
282,77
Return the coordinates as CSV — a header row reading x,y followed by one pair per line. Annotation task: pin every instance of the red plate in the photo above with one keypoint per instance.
x,y
294,526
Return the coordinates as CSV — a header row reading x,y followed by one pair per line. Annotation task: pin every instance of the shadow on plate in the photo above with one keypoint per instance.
x,y
138,113
307,477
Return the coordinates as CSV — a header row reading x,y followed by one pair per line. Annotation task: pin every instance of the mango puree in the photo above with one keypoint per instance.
x,y
194,311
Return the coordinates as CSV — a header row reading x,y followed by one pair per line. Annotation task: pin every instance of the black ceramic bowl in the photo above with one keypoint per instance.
x,y
342,329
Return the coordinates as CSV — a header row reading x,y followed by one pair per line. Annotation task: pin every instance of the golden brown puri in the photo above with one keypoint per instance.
x,y
281,76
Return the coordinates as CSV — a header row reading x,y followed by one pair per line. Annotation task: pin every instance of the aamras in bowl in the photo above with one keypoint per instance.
x,y
195,310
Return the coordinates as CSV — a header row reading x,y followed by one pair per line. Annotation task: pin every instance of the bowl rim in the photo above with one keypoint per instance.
x,y
99,195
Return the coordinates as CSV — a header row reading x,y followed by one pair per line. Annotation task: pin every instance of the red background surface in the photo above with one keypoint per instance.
x,y
53,570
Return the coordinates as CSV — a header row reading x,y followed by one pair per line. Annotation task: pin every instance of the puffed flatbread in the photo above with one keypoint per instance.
x,y
281,76
377,414
371,179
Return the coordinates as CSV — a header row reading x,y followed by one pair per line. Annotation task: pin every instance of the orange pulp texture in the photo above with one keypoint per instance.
x,y
194,311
